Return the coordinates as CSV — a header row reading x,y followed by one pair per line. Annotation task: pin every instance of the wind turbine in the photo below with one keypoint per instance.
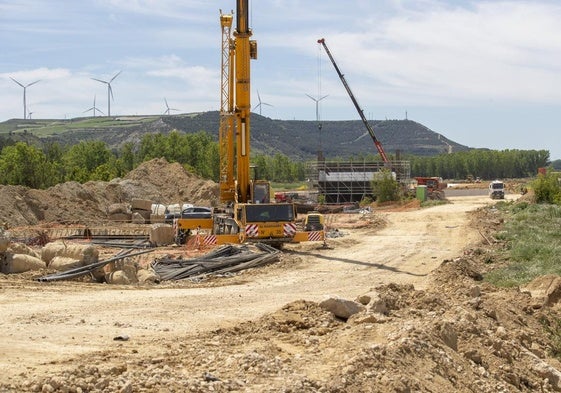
x,y
94,108
109,91
317,100
168,109
24,93
260,103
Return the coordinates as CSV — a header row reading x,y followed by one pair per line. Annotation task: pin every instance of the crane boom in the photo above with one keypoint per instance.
x,y
377,143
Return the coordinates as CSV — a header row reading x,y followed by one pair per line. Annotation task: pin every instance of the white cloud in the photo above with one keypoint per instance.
x,y
191,10
491,51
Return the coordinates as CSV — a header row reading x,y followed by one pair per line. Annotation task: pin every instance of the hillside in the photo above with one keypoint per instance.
x,y
297,139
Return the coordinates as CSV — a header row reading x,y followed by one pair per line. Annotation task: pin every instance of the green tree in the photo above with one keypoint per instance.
x,y
546,188
127,157
25,165
385,187
82,160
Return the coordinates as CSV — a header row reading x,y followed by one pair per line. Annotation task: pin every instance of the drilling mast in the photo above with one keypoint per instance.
x,y
236,106
227,126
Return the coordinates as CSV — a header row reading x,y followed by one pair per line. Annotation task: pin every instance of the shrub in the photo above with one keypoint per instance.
x,y
385,187
546,188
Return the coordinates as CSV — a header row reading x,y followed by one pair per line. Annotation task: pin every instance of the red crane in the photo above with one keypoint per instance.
x,y
355,102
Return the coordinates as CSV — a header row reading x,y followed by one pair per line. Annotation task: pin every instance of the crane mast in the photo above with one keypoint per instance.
x,y
236,106
377,143
227,126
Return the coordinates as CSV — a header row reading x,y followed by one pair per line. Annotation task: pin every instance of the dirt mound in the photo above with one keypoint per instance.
x,y
72,202
459,336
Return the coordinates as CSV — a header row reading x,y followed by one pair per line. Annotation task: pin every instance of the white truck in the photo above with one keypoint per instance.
x,y
497,189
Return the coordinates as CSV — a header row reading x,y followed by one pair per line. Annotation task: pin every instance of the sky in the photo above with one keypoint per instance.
x,y
485,74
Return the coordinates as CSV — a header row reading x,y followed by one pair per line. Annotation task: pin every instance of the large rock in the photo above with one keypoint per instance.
x,y
161,234
117,208
373,302
546,289
20,263
20,248
84,253
118,277
141,204
341,308
137,218
147,275
64,263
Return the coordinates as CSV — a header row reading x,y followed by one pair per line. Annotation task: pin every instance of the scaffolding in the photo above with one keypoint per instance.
x,y
351,181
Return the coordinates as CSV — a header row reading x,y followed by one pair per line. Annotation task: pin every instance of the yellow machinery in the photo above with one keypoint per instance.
x,y
250,215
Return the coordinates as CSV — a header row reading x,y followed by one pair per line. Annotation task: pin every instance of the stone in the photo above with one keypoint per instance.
x,y
341,308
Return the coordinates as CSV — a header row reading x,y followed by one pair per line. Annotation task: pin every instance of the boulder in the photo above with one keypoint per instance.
x,y
64,263
20,248
144,213
141,204
117,208
161,234
341,308
84,253
118,277
20,263
147,275
546,289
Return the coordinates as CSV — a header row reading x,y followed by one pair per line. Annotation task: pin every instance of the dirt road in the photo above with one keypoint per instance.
x,y
47,325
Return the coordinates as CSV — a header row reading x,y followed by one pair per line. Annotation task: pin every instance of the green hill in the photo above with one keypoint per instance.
x,y
297,139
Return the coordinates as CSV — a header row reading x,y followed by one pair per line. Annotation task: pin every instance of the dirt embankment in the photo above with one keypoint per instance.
x,y
72,202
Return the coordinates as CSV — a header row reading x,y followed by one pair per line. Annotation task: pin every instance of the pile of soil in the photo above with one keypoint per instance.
x,y
156,180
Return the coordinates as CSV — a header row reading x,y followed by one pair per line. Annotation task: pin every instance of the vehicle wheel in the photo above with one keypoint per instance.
x,y
180,238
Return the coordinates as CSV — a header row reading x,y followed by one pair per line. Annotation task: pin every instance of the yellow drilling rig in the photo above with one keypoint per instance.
x,y
249,214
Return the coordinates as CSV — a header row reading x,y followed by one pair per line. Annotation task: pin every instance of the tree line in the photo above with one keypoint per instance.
x,y
42,167
486,164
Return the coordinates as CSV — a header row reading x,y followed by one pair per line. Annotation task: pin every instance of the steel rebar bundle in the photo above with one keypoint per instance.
x,y
225,259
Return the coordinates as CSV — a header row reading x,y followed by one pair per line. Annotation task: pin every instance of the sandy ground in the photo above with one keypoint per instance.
x,y
47,325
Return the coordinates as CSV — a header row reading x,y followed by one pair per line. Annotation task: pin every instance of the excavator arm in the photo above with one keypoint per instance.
x,y
377,143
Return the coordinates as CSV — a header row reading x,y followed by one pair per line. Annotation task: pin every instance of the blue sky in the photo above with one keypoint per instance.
x,y
482,73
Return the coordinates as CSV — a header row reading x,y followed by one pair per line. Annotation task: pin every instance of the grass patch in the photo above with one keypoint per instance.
x,y
44,128
533,236
296,186
434,202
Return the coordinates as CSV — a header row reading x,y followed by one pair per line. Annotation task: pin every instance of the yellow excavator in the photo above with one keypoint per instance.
x,y
249,216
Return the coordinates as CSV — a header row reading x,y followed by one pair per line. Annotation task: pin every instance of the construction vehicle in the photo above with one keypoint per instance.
x,y
435,187
377,143
314,221
248,215
497,189
285,196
